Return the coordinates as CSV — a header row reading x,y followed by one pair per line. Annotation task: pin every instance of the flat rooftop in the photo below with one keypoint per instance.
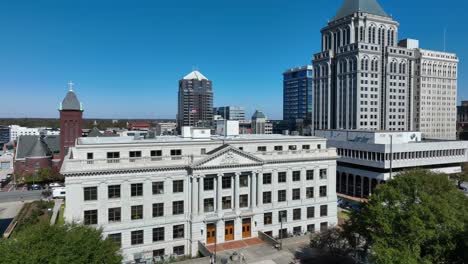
x,y
178,139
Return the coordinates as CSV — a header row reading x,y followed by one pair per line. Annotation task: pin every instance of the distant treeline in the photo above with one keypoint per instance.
x,y
87,123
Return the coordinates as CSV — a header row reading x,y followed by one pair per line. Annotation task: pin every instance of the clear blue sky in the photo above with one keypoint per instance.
x,y
126,57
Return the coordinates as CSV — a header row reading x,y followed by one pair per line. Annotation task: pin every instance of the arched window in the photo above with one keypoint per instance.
x,y
361,33
395,67
390,37
379,37
373,35
348,36
370,35
400,68
367,64
375,65
383,37
404,68
363,64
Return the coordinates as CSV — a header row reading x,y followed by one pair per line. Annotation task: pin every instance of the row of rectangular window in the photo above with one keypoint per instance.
x,y
297,230
136,212
114,214
137,236
136,189
297,214
290,147
178,152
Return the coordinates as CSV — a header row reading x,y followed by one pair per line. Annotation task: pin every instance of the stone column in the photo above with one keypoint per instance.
x,y
338,179
219,193
288,185
347,184
194,187
200,194
253,181
362,186
260,189
274,188
303,184
236,191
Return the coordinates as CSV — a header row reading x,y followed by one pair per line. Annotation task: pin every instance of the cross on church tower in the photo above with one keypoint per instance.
x,y
70,85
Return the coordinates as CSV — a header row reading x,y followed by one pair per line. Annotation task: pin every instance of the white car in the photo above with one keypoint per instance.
x,y
58,193
55,185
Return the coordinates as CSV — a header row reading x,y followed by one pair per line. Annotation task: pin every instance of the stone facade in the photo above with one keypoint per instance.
x,y
365,79
175,192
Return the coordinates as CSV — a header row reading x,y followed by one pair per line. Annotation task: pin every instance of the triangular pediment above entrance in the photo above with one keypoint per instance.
x,y
228,156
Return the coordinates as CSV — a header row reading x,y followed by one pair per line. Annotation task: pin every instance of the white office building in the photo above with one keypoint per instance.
x,y
364,78
369,158
17,131
167,195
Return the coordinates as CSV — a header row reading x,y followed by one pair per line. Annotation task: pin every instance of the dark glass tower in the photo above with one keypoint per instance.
x,y
195,101
297,95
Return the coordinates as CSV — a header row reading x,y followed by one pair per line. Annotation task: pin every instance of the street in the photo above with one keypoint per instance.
x,y
19,196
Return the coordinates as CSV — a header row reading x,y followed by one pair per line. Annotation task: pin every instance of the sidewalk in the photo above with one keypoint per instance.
x,y
57,205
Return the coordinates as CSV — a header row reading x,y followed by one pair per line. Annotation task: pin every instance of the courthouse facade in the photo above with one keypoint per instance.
x,y
165,196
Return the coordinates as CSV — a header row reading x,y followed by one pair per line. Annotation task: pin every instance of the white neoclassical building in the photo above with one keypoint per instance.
x,y
164,196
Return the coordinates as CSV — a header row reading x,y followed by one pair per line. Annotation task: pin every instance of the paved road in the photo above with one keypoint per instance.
x,y
8,211
19,196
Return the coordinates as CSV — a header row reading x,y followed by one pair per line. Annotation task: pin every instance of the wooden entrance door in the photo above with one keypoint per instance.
x,y
229,231
210,233
246,232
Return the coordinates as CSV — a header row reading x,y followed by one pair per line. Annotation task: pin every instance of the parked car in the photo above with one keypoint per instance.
x,y
58,193
35,187
55,185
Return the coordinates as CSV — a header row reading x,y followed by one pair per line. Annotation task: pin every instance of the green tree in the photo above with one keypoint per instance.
x,y
462,176
44,244
418,217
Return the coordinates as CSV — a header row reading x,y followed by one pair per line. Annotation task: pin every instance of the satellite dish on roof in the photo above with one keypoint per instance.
x,y
413,136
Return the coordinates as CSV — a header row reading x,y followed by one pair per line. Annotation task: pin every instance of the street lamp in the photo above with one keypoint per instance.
x,y
282,219
216,240
356,236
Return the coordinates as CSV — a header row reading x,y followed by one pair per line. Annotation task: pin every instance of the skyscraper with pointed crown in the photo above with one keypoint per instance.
x,y
365,79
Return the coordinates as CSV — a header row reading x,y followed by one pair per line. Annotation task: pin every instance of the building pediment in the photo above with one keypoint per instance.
x,y
228,156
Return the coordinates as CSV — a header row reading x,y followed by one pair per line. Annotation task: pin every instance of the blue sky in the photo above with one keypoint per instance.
x,y
126,57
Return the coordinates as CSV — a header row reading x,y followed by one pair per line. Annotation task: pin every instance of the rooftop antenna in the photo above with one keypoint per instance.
x,y
445,39
70,86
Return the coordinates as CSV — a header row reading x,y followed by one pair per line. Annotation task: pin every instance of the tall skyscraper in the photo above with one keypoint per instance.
x,y
364,79
71,121
230,112
297,93
195,101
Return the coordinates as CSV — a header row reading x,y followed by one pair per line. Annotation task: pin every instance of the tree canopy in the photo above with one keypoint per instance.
x,y
417,217
42,243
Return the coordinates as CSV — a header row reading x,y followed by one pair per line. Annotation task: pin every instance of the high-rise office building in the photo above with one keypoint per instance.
x,y
364,79
297,94
195,101
4,135
230,112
